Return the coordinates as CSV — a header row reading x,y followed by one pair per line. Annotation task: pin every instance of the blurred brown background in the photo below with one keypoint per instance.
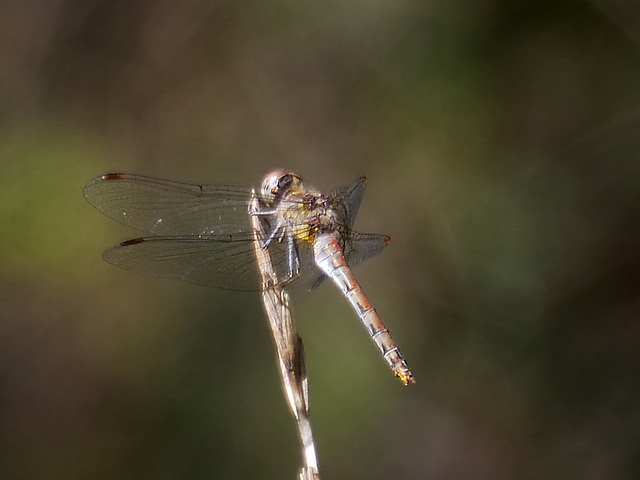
x,y
502,145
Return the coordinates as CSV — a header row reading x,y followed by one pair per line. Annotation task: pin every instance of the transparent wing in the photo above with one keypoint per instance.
x,y
347,200
363,246
217,261
163,207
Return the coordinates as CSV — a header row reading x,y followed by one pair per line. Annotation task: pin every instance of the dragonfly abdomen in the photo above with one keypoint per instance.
x,y
330,259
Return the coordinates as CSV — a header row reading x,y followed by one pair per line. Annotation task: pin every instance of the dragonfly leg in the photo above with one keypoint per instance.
x,y
276,234
294,258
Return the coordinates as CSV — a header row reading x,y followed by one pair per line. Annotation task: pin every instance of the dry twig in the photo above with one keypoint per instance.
x,y
289,349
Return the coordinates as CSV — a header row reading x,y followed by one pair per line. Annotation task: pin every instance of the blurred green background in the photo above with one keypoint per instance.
x,y
502,145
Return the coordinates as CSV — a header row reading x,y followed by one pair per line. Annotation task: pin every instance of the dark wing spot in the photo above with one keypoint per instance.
x,y
113,176
133,241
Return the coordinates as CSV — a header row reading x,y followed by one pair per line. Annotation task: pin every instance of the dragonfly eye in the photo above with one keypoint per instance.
x,y
284,182
276,184
270,185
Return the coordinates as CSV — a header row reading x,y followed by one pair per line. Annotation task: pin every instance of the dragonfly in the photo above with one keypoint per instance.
x,y
203,234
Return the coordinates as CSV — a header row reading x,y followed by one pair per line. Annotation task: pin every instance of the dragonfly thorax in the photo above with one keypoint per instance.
x,y
304,214
296,211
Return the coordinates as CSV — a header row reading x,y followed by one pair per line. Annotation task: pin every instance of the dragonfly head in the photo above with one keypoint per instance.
x,y
277,183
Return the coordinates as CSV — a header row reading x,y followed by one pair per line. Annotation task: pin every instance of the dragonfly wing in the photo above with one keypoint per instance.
x,y
362,246
348,199
163,207
222,261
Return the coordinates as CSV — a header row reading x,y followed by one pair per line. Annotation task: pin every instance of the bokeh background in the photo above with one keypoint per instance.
x,y
502,145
